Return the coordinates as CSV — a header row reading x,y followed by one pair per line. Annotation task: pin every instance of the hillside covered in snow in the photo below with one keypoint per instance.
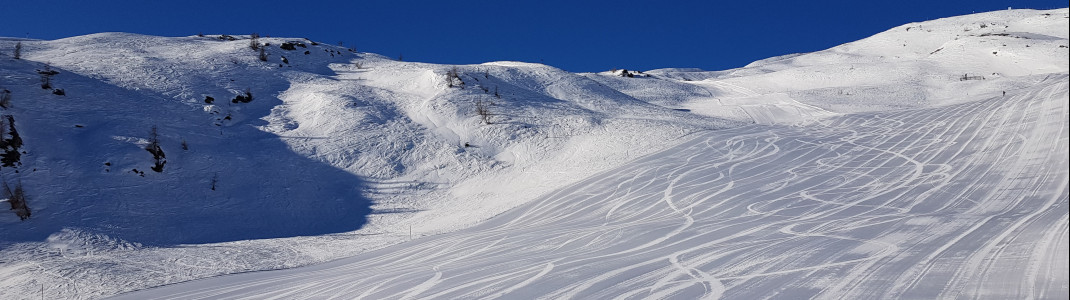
x,y
926,161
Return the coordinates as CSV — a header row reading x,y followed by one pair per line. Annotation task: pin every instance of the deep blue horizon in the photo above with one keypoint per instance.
x,y
587,36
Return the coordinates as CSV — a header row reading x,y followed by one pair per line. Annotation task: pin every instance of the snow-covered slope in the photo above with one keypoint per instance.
x,y
333,141
384,122
81,150
964,201
910,66
340,153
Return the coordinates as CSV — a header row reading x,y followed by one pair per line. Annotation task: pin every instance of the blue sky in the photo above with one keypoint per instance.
x,y
579,36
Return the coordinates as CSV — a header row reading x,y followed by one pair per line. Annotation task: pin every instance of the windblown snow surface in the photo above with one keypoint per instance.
x,y
927,161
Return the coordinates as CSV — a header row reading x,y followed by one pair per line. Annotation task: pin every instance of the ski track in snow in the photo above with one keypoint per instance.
x,y
961,201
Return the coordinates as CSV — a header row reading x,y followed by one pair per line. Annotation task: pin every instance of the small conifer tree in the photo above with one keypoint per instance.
x,y
18,50
5,98
156,150
17,199
254,41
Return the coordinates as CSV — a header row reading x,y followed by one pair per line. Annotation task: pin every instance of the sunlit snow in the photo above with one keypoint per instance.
x,y
928,161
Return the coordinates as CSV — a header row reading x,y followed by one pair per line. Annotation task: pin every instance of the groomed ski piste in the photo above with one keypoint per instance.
x,y
928,161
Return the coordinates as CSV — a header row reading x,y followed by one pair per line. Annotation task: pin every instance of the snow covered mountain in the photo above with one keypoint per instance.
x,y
926,161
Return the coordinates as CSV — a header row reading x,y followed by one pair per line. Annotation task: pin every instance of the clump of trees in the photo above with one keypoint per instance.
x,y
254,41
46,80
10,158
483,110
453,78
10,142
